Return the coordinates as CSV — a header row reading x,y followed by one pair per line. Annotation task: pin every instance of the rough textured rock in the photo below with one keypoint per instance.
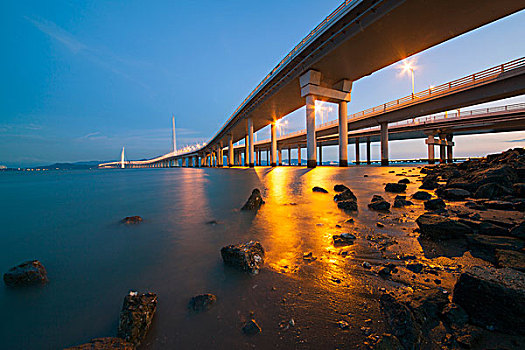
x,y
254,202
455,194
422,195
251,327
247,257
404,181
344,239
401,321
493,298
136,315
340,188
395,187
132,220
454,315
400,202
518,230
510,258
202,302
388,342
435,204
319,189
485,246
499,205
349,205
27,273
346,195
429,183
437,227
104,344
519,189
492,190
378,203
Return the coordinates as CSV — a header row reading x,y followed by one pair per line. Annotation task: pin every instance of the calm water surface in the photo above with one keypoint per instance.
x,y
69,220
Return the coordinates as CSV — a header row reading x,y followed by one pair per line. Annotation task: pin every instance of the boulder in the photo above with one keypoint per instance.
x,y
349,205
346,195
404,181
202,302
493,298
251,327
499,205
454,315
340,188
27,273
518,230
400,201
485,246
344,239
510,258
136,315
429,183
104,344
455,194
255,201
132,220
492,190
435,204
395,187
247,257
401,322
379,203
319,189
437,227
422,195
519,189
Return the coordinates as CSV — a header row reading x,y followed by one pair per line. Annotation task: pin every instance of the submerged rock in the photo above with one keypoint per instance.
x,y
251,327
247,257
104,344
349,205
346,195
344,239
422,195
254,202
493,298
202,302
132,220
379,203
437,227
400,202
319,189
340,188
435,204
395,187
27,273
136,315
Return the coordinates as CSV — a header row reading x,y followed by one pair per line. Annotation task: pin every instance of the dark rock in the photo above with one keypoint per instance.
x,y
247,257
346,195
499,205
400,201
429,183
510,258
388,342
395,187
349,205
519,189
422,195
319,189
493,298
518,231
340,188
379,203
104,344
27,273
254,202
468,337
492,190
401,321
251,327
404,181
435,204
366,265
485,246
455,194
415,267
427,306
488,228
344,239
437,227
380,224
454,315
202,302
136,315
132,220
475,205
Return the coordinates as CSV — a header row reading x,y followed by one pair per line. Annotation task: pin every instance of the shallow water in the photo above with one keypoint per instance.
x,y
69,220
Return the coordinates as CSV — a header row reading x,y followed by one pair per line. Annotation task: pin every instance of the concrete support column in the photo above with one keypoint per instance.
x,y
250,141
267,157
357,150
280,152
442,148
320,154
450,156
311,141
384,143
430,144
299,155
289,156
246,150
368,151
230,151
273,133
343,134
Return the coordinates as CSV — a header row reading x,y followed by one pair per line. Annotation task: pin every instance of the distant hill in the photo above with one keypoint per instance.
x,y
71,166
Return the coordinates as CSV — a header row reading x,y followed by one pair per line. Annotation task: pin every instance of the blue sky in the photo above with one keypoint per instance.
x,y
82,79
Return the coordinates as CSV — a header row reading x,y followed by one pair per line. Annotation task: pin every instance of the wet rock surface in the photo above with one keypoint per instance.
x,y
251,327
254,202
422,195
26,274
132,220
319,189
346,195
435,204
136,316
340,188
202,302
349,205
395,187
104,344
379,203
437,227
401,201
247,257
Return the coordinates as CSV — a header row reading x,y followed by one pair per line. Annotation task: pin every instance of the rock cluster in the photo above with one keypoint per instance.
x,y
379,203
27,273
247,257
255,201
132,220
346,200
136,315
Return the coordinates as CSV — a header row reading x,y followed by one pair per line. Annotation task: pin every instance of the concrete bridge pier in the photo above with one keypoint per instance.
x,y
343,134
430,144
320,154
299,155
357,157
384,143
311,142
230,151
289,156
273,132
250,143
280,153
368,151
257,159
442,149
450,144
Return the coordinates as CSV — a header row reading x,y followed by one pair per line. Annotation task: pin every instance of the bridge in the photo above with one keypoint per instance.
x,y
357,39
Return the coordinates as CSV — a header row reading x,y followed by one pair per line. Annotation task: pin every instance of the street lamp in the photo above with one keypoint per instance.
x,y
408,66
